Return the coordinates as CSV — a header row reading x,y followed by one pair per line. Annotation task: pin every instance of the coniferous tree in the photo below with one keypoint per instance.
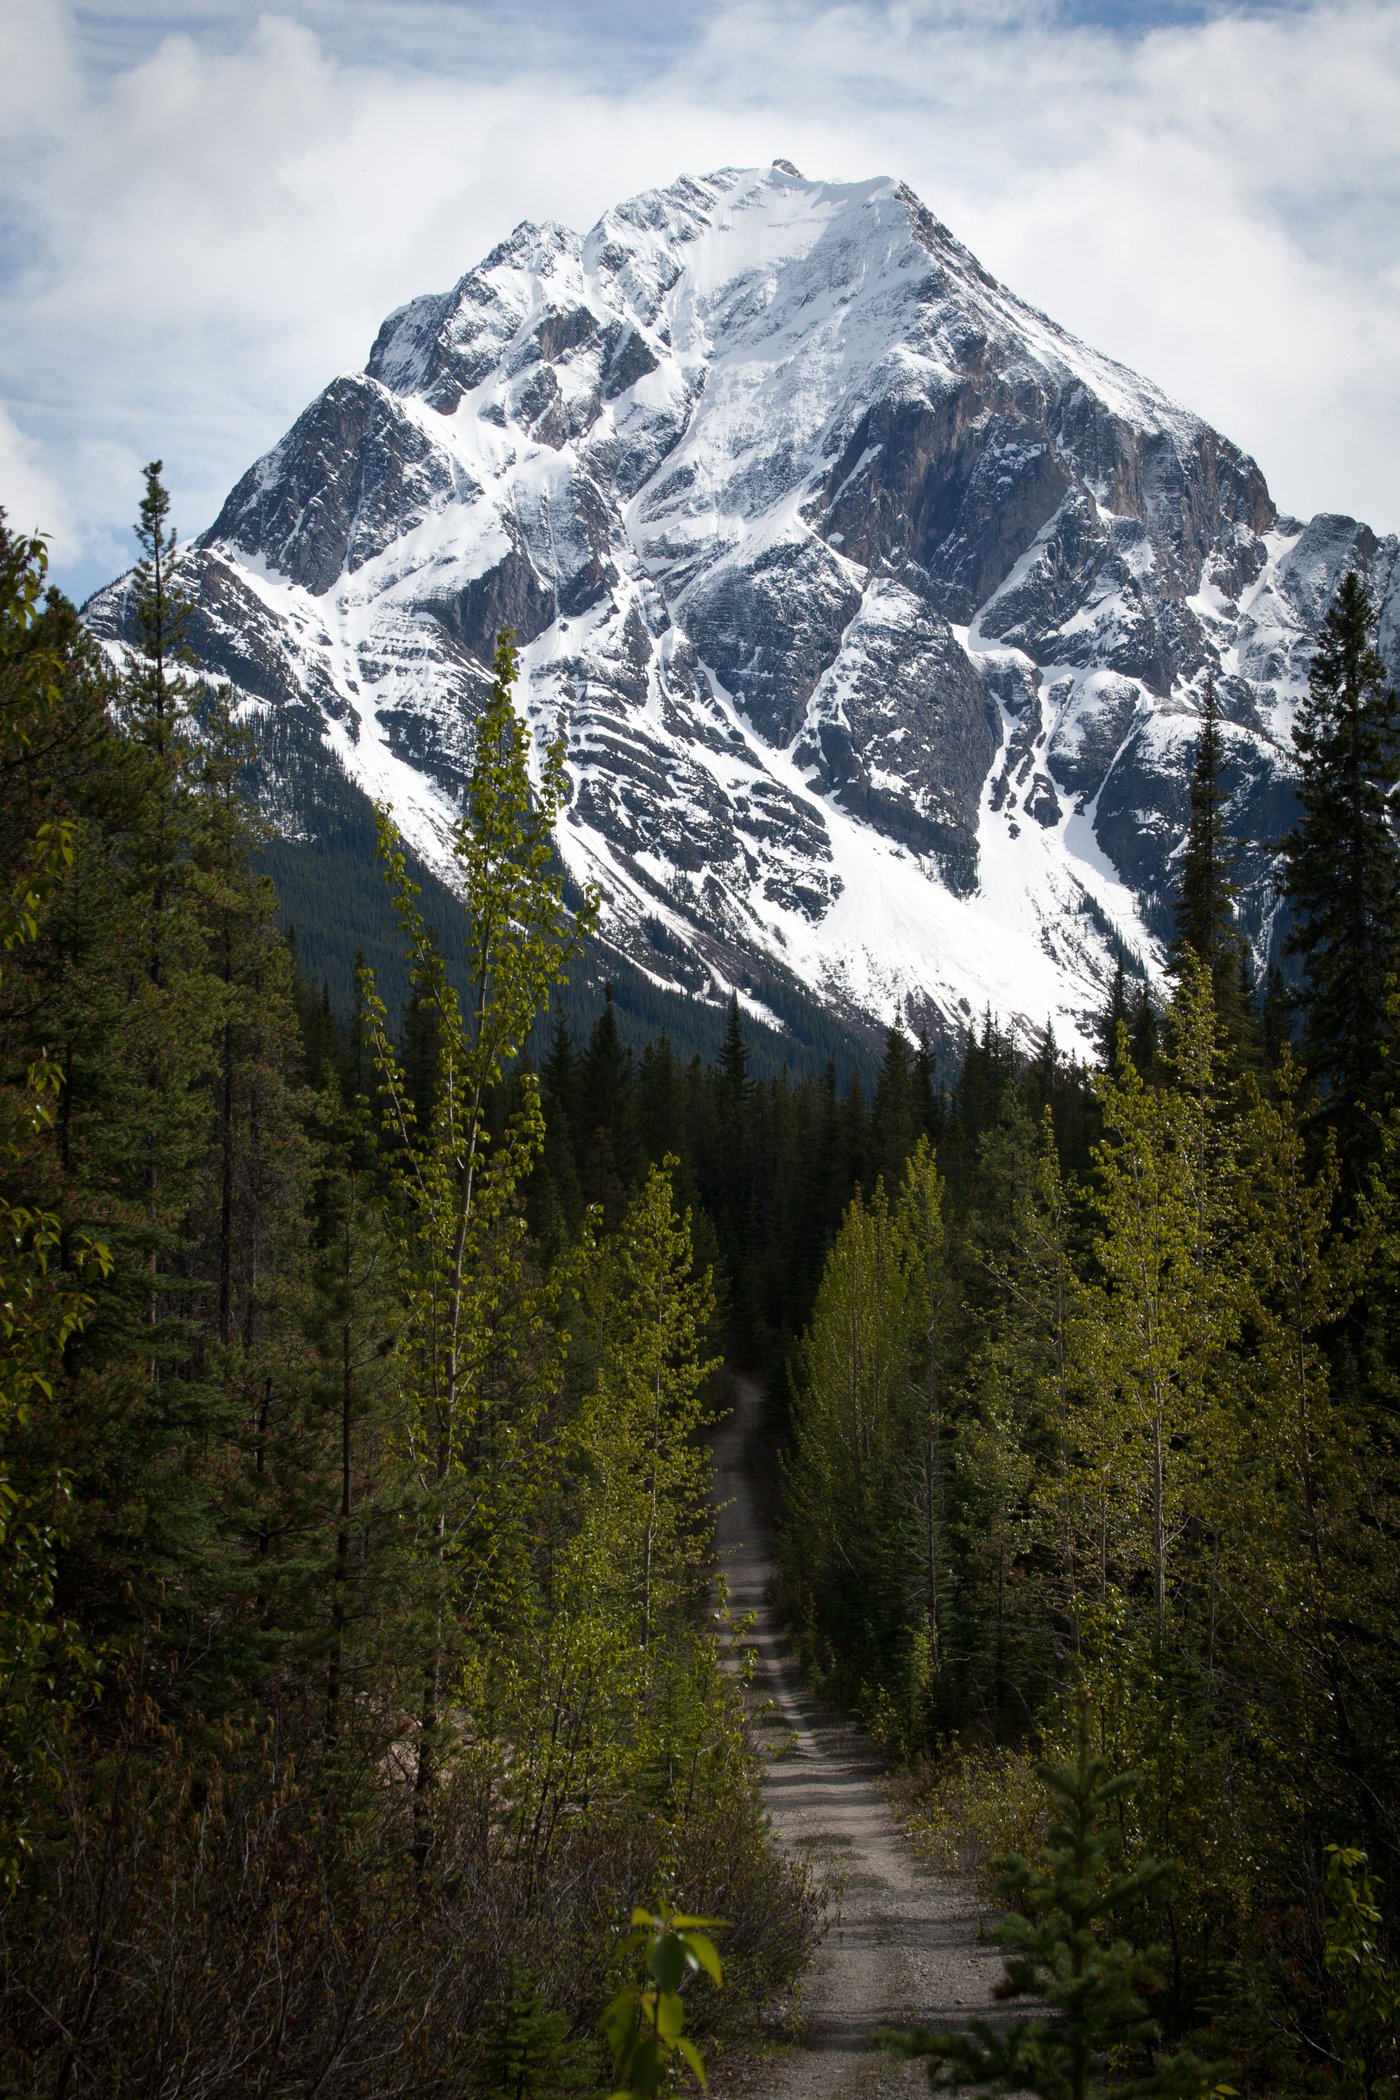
x,y
1144,1030
896,1122
1276,1018
661,1108
729,1180
929,1101
352,1327
610,1151
132,1003
1009,1344
1068,1946
557,1195
654,1317
1114,1017
1206,891
42,1304
1342,863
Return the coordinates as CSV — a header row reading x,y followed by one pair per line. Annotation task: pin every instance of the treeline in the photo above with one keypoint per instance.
x,y
1103,1399
357,1674
355,1379
771,1164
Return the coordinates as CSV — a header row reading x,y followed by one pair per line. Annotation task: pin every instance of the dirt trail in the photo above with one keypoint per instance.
x,y
905,1950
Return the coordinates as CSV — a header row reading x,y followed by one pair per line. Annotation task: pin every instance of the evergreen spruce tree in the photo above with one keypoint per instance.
x,y
1144,1031
732,1096
1206,892
132,1002
929,1102
853,1141
896,1122
1113,1018
1342,873
1276,1018
733,1071
1068,1945
248,1201
351,1327
610,1150
661,1109
530,2054
41,1306
556,1196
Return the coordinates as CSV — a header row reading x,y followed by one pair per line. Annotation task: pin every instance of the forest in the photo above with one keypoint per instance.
x,y
360,1670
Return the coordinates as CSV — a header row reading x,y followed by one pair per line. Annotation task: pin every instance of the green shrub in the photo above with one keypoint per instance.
x,y
969,1805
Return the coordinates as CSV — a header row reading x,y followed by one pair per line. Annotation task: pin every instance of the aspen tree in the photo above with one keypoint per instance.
x,y
920,1220
1163,1305
474,1327
843,1519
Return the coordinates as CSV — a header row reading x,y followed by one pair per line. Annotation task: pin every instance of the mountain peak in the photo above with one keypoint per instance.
x,y
879,607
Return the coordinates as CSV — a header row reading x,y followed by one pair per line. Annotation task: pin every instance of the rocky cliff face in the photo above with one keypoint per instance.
x,y
878,610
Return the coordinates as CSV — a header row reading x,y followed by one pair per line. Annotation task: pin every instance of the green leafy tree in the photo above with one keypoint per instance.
x,y
930,1310
643,1424
1164,1304
1366,2025
645,2024
474,1329
1029,1563
842,1537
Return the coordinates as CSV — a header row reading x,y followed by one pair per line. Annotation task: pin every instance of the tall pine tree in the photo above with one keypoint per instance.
x,y
1342,862
1205,894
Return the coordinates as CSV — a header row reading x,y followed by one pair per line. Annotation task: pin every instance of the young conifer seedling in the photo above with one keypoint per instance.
x,y
1068,1947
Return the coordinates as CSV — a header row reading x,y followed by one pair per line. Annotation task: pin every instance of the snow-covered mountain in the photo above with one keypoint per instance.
x,y
878,609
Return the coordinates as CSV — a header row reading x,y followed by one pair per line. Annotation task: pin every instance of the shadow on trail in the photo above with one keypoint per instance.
x,y
905,1949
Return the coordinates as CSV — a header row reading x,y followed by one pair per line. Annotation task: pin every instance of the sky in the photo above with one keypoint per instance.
x,y
207,209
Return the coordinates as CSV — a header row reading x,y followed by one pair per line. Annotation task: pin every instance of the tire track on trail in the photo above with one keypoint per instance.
x,y
905,1949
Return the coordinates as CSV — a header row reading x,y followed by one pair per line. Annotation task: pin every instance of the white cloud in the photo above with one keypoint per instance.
x,y
32,499
200,238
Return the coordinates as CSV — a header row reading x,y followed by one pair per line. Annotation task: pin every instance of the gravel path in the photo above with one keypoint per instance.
x,y
905,1948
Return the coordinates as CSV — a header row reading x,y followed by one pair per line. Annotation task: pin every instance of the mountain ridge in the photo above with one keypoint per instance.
x,y
878,608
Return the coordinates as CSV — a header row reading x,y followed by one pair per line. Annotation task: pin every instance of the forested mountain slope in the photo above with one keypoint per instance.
x,y
358,1661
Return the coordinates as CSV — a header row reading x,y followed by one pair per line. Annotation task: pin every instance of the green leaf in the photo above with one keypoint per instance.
x,y
693,2057
703,1953
667,1961
648,2067
670,2016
